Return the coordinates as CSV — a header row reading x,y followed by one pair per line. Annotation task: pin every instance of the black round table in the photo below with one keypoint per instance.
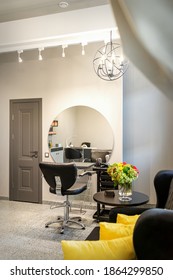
x,y
137,199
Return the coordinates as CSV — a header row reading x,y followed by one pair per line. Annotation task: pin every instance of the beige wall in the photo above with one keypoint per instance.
x,y
61,83
147,129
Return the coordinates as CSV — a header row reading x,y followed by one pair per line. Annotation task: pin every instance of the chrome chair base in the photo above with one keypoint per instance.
x,y
66,220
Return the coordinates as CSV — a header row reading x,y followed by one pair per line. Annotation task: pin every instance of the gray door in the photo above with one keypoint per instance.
x,y
25,150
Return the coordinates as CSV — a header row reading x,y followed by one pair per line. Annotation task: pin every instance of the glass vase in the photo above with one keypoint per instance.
x,y
125,192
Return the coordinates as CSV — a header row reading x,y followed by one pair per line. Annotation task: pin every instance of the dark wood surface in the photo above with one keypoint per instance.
x,y
137,199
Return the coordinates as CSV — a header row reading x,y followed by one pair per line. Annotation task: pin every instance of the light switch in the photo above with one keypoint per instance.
x,y
46,155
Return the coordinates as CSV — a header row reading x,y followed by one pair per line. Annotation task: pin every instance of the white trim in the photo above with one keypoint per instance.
x,y
89,25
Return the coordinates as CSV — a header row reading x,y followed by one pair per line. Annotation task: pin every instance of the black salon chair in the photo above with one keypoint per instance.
x,y
72,154
67,172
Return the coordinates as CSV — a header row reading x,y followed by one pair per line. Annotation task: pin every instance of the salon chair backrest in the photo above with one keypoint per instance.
x,y
66,171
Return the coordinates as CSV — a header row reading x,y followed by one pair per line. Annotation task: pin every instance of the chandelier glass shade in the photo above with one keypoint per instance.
x,y
108,62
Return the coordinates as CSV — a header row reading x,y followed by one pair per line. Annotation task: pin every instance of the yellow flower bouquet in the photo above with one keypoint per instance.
x,y
122,173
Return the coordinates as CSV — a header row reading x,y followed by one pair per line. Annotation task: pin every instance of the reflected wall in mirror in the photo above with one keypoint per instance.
x,y
83,132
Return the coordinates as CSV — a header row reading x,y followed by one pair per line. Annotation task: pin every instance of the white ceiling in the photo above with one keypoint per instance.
x,y
30,24
20,9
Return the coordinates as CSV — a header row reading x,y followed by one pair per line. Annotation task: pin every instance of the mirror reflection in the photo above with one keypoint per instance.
x,y
80,133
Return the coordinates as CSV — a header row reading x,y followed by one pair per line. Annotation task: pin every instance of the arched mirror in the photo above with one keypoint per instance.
x,y
83,132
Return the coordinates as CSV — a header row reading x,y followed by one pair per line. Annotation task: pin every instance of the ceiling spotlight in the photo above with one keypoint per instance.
x,y
39,54
63,4
19,57
63,50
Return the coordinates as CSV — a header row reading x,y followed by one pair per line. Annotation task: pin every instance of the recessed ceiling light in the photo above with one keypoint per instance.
x,y
63,4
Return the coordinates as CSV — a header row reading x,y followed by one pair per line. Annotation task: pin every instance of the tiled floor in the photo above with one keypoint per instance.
x,y
24,236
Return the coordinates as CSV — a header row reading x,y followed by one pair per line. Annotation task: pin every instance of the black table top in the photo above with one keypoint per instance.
x,y
137,199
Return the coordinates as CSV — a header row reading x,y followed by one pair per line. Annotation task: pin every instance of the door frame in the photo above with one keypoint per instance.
x,y
13,101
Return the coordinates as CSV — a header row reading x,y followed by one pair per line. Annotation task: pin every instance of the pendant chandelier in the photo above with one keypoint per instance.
x,y
108,62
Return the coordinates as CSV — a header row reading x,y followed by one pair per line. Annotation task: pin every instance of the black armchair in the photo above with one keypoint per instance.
x,y
162,183
67,172
152,236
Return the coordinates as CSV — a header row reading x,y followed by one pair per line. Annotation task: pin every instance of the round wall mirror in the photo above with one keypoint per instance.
x,y
80,133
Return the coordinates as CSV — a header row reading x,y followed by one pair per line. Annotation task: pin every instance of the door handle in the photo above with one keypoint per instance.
x,y
34,154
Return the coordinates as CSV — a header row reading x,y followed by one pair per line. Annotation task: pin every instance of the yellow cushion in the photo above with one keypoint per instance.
x,y
113,230
115,249
126,219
